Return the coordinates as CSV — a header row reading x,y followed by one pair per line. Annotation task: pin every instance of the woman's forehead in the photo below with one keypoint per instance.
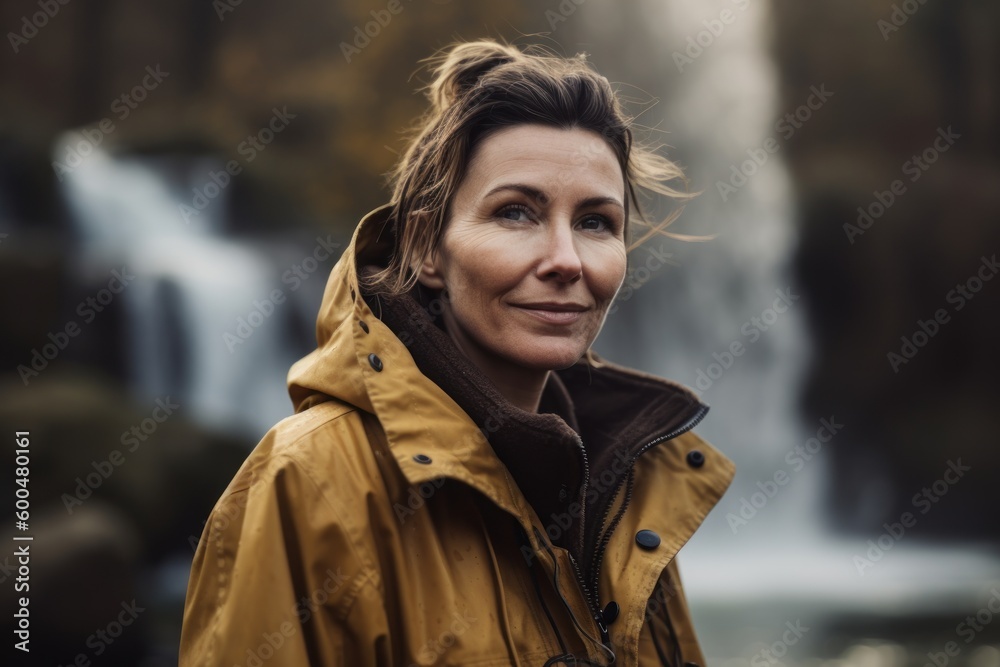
x,y
554,161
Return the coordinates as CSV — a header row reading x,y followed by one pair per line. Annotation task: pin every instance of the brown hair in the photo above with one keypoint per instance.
x,y
480,87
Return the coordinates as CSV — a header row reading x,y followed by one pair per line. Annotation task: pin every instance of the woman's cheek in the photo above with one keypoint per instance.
x,y
613,270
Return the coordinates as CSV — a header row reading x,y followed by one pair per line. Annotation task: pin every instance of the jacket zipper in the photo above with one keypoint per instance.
x,y
590,589
592,602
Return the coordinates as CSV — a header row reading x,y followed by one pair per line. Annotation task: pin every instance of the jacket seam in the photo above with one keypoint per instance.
x,y
320,420
370,577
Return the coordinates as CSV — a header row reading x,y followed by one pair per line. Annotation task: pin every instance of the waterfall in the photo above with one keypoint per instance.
x,y
191,286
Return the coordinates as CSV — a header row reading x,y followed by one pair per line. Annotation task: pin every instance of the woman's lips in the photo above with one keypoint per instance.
x,y
553,316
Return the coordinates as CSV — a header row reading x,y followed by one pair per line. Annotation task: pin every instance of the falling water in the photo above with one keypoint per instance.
x,y
191,286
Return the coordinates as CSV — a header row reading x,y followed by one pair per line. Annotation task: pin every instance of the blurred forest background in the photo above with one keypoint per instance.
x,y
167,168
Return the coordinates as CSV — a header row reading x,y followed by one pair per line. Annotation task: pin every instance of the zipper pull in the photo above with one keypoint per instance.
x,y
605,636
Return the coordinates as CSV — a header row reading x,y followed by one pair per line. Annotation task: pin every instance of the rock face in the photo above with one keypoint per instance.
x,y
898,252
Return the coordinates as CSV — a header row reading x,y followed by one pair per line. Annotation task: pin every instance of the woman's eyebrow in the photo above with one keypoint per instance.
x,y
542,198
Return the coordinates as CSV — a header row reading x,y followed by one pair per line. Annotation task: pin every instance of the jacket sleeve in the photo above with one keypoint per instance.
x,y
668,633
277,574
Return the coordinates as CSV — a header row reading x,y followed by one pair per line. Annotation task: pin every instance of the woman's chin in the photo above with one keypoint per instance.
x,y
548,357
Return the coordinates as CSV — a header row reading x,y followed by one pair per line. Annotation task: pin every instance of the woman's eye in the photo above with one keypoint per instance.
x,y
597,223
514,214
520,213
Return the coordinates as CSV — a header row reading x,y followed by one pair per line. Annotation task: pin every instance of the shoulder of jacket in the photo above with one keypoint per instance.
x,y
304,428
314,463
290,507
326,443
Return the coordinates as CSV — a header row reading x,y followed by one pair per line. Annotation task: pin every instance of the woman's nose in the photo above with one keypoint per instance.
x,y
560,257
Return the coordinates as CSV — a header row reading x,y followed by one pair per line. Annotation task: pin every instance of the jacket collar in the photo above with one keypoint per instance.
x,y
595,418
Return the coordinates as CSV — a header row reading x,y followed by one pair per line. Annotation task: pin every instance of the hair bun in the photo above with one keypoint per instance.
x,y
458,69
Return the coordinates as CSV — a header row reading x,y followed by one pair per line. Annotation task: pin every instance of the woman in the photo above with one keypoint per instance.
x,y
464,482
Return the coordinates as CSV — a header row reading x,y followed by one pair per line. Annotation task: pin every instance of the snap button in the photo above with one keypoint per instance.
x,y
422,458
647,539
375,361
695,458
364,326
610,613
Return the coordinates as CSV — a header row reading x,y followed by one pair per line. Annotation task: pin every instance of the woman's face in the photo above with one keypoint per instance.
x,y
533,252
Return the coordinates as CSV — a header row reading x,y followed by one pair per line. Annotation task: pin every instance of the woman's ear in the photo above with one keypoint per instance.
x,y
428,267
428,271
